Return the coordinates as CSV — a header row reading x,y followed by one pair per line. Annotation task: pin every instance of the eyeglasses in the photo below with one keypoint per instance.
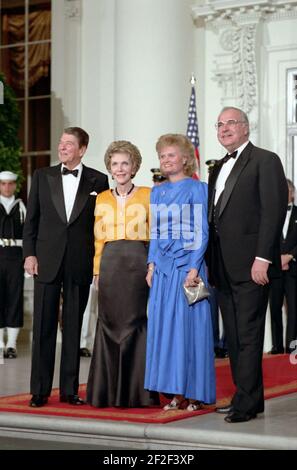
x,y
230,122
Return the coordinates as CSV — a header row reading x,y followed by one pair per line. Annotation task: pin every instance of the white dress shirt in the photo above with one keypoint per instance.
x,y
70,187
225,172
7,202
223,176
287,221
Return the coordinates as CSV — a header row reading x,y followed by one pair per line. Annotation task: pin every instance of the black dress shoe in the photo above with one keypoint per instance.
x,y
224,409
72,400
221,353
290,350
276,351
236,417
10,353
84,352
38,400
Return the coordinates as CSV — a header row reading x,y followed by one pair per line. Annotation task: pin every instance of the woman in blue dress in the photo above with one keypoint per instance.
x,y
180,351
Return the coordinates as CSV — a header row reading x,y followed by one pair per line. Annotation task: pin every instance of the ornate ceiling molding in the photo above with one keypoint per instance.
x,y
242,11
72,9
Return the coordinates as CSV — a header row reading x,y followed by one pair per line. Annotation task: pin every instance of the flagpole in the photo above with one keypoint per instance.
x,y
192,129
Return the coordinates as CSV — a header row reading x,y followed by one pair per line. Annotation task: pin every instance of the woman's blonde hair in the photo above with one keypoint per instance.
x,y
123,146
185,146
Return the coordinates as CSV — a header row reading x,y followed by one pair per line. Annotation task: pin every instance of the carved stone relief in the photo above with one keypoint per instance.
x,y
236,25
72,9
235,68
244,64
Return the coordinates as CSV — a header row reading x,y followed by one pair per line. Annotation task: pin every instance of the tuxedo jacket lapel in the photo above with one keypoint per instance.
x,y
85,187
212,188
56,191
234,175
292,222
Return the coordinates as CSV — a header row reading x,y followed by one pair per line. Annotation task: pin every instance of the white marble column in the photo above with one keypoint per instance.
x,y
122,71
98,75
152,69
66,68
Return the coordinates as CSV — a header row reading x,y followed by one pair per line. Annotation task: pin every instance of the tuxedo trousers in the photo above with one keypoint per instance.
x,y
280,288
243,306
47,301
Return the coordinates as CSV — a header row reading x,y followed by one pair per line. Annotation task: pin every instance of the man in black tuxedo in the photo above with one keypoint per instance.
x,y
284,283
58,248
247,206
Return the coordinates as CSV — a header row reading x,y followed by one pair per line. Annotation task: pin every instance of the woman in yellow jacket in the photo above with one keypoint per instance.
x,y
116,376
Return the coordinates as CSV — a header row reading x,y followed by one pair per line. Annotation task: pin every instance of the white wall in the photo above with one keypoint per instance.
x,y
66,69
209,95
154,61
98,78
126,75
279,53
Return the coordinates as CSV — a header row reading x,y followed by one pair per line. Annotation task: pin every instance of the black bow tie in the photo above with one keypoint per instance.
x,y
65,171
289,208
227,157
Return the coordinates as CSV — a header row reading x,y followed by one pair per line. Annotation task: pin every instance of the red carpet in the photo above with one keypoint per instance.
x,y
280,378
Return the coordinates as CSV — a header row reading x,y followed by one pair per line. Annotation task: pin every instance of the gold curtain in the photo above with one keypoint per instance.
x,y
13,62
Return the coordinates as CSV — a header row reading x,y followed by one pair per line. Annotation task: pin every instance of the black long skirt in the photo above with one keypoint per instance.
x,y
116,376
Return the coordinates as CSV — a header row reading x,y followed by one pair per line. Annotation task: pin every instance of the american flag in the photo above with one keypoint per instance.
x,y
192,129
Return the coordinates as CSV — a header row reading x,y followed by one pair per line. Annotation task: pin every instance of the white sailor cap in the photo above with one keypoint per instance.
x,y
8,176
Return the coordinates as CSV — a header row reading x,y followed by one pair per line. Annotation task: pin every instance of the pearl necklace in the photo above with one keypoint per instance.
x,y
123,196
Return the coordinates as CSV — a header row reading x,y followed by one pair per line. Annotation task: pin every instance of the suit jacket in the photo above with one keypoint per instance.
x,y
252,211
47,232
289,244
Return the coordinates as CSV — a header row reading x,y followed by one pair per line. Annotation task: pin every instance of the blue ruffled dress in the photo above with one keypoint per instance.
x,y
180,350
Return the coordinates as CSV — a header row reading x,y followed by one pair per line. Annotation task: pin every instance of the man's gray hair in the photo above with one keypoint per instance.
x,y
243,116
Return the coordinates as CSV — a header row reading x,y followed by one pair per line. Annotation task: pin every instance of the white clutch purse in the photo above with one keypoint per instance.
x,y
194,294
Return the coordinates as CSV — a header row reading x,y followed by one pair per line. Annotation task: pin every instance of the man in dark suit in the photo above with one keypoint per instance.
x,y
284,283
58,248
247,206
